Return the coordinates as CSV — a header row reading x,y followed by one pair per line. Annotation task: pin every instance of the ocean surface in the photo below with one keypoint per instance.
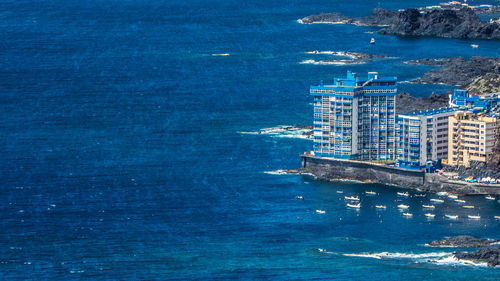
x,y
128,146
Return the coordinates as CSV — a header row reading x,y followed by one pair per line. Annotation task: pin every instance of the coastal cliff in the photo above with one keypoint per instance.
x,y
450,23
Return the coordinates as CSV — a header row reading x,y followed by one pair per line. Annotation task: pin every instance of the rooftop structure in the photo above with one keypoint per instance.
x,y
462,98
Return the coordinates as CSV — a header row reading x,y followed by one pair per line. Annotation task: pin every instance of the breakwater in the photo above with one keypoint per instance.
x,y
336,169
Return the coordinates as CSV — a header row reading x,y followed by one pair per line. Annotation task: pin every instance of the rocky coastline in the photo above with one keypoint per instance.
x,y
480,75
464,241
460,23
488,251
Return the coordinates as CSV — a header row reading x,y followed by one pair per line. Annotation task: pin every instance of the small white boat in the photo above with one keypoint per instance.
x,y
403,206
356,206
353,198
429,215
321,250
474,46
420,195
442,193
468,207
404,194
380,207
497,217
372,41
474,217
299,197
408,214
340,191
428,206
452,196
451,217
433,200
320,211
370,193
460,201
489,197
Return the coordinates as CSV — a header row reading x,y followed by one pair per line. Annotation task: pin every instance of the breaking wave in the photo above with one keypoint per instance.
x,y
440,258
283,131
331,62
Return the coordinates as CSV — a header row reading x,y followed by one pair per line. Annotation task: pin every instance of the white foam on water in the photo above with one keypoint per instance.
x,y
335,53
282,131
397,255
452,260
276,172
332,62
439,258
221,55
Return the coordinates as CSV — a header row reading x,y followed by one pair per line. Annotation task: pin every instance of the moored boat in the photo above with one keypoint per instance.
x,y
460,201
429,215
489,197
404,194
429,206
403,206
370,193
433,200
468,207
474,217
408,214
320,211
356,206
353,198
380,206
451,217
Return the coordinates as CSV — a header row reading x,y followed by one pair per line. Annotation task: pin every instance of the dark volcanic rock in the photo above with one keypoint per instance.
x,y
379,17
459,71
490,255
451,23
462,241
405,103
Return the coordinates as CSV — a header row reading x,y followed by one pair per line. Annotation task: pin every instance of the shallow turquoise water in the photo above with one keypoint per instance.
x,y
123,158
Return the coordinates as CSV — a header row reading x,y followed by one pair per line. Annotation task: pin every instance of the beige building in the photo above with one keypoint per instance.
x,y
470,138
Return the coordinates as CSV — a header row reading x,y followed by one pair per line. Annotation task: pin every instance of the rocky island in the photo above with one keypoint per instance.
x,y
489,251
460,23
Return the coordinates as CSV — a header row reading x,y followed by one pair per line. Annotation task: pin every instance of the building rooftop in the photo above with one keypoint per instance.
x,y
433,111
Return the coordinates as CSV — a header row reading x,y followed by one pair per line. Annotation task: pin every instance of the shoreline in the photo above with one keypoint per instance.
x,y
331,169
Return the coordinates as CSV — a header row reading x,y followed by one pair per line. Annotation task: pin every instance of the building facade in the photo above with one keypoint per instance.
x,y
422,137
354,118
471,138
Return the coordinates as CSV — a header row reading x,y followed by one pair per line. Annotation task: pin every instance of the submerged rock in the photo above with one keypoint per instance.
x,y
462,241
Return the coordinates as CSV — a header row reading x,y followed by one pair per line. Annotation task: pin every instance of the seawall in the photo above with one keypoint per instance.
x,y
336,169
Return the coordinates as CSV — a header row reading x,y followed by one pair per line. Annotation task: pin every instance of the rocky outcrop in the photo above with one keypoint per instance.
x,y
405,103
451,23
379,17
462,24
461,241
477,169
462,72
490,255
487,83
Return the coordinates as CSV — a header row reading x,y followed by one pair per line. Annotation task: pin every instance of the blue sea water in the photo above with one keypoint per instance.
x,y
122,153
